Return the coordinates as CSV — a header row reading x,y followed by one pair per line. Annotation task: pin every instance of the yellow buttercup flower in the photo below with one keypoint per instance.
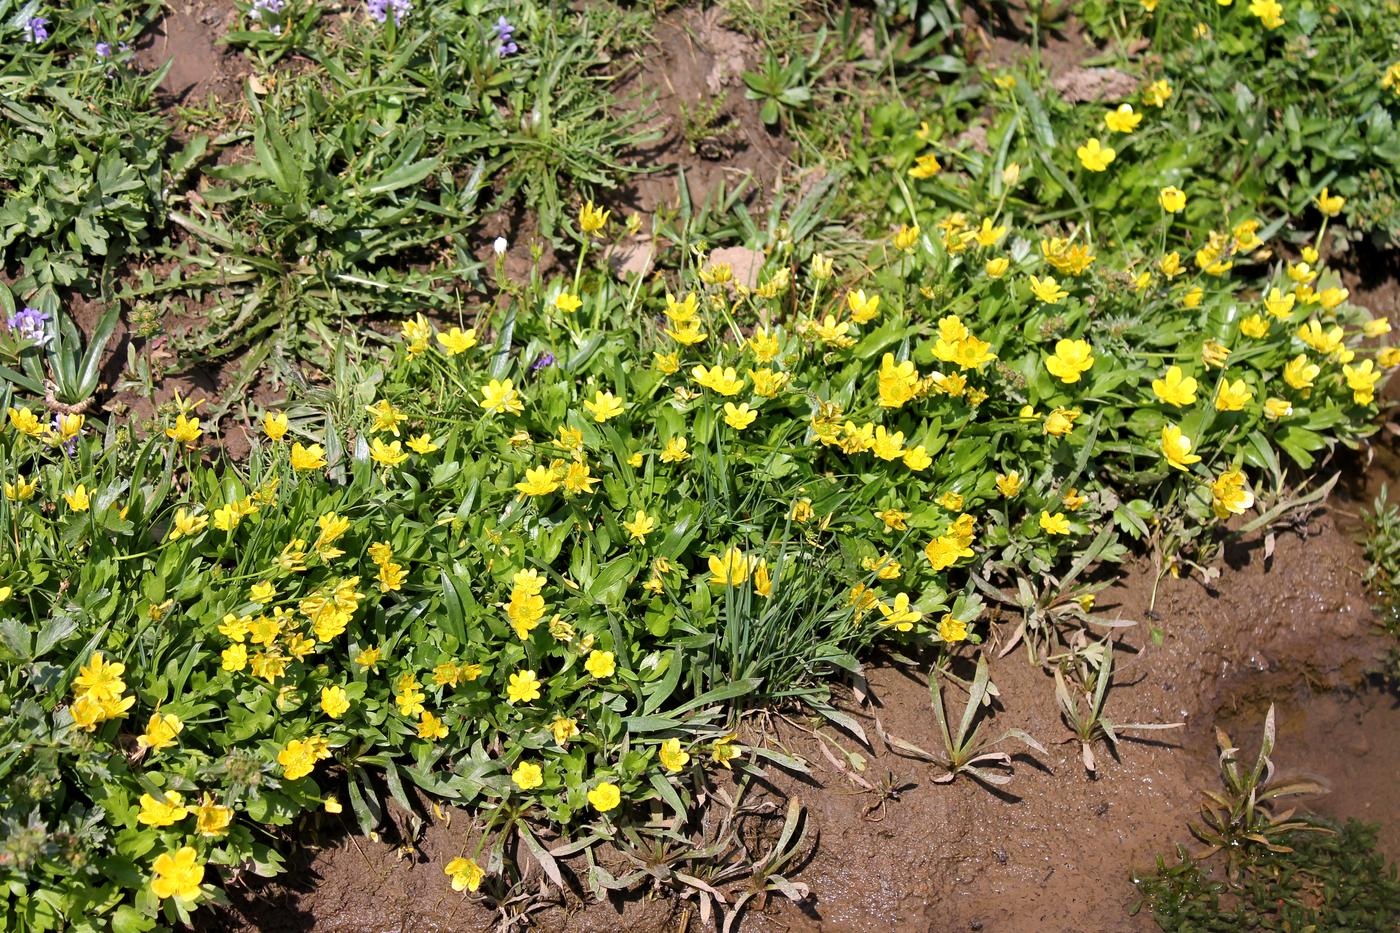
x,y
1300,373
1072,358
310,457
465,873
1122,119
1230,495
606,796
604,406
1330,204
177,874
1232,396
730,568
739,416
591,219
1172,199
600,664
78,499
527,775
523,687
1095,156
499,395
1176,447
673,757
1174,388
1048,290
1054,524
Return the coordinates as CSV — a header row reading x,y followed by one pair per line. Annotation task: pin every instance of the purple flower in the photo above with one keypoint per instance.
x,y
504,32
260,7
104,50
37,29
546,359
29,325
379,10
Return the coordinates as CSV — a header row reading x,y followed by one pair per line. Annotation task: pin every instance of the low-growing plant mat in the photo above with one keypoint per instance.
x,y
1050,850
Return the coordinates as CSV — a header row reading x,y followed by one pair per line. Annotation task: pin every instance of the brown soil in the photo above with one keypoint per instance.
x,y
200,67
694,69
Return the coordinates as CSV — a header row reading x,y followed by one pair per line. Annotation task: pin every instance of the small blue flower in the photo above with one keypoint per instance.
x,y
30,324
546,359
104,50
504,36
37,30
379,10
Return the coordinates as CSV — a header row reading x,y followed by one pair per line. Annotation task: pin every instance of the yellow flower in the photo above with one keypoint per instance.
x,y
1009,484
22,489
673,757
1095,156
1330,204
1276,408
601,664
1230,495
1060,421
539,481
1176,447
165,812
422,444
25,421
386,417
1214,354
1122,119
1193,296
568,302
606,796
178,874
185,430
1157,93
764,346
523,687
952,630
1073,500
997,267
369,657
723,380
1255,326
640,526
334,701
899,614
675,451
1072,358
499,395
465,873
1172,199
457,341
762,579
391,455
563,729
1270,12
527,775
988,234
723,751
864,308
1048,290
299,757
605,405
1299,373
945,550
312,457
1054,524
730,568
78,500
430,727
1175,389
1362,379
905,237
161,731
211,819
739,416
416,331
591,220
1232,396
186,524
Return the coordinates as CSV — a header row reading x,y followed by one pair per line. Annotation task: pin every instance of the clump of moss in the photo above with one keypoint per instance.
x,y
1335,881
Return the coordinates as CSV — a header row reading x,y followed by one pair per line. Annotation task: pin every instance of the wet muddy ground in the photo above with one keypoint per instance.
x,y
1053,850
